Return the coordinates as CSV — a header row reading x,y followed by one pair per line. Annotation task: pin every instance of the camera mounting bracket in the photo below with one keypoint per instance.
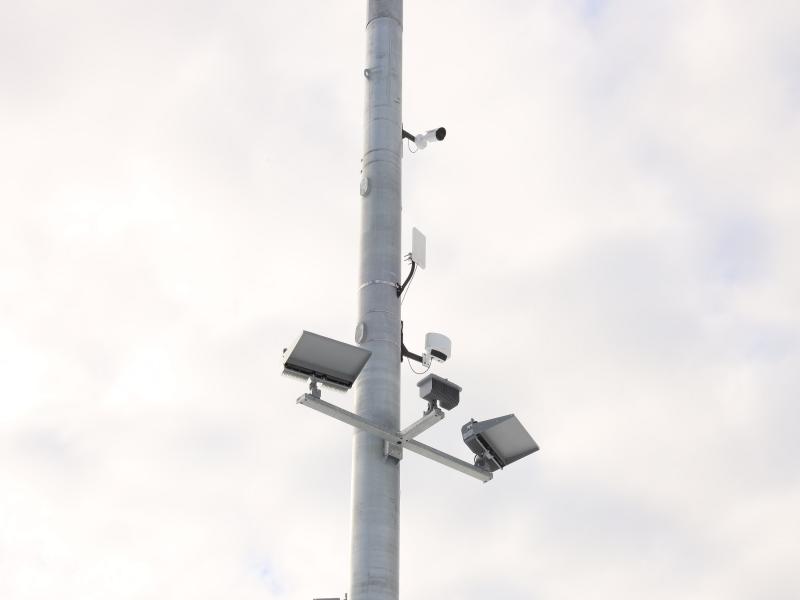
x,y
405,352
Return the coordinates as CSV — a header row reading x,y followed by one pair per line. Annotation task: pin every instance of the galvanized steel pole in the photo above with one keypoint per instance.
x,y
375,543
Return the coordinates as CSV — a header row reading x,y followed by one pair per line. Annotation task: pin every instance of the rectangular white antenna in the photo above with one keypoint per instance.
x,y
418,247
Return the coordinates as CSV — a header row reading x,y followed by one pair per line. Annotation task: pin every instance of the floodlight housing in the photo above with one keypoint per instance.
x,y
438,390
331,362
498,442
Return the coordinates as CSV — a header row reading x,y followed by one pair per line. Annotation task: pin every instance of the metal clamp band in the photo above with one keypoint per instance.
x,y
381,281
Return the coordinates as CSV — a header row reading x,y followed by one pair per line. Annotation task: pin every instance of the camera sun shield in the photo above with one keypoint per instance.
x,y
439,390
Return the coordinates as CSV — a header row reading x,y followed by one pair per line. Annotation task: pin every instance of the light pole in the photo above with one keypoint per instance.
x,y
373,368
375,542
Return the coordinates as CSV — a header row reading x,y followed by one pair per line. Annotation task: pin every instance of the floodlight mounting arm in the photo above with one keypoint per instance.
x,y
407,136
397,439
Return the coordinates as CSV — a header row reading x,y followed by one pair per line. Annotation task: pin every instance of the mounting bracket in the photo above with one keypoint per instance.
x,y
397,438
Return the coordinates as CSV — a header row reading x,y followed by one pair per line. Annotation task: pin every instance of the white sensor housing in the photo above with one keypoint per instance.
x,y
437,347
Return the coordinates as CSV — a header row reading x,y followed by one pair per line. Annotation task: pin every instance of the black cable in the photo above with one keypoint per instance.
x,y
400,288
407,284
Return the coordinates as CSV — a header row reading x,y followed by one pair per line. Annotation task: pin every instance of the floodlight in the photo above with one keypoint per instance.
x,y
332,362
498,442
438,390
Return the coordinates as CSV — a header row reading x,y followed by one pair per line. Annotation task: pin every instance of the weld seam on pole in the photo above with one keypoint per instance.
x,y
390,17
377,281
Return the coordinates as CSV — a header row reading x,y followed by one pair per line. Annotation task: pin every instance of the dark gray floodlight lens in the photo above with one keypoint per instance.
x,y
439,390
332,362
498,442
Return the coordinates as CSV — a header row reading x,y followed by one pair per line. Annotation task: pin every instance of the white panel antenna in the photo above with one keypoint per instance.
x,y
418,247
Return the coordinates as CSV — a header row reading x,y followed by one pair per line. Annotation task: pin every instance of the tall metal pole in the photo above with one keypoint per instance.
x,y
375,542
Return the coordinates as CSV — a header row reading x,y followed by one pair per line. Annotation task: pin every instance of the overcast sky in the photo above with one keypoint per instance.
x,y
613,246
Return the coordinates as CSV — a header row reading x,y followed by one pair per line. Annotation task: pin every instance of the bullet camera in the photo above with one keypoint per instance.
x,y
423,139
432,135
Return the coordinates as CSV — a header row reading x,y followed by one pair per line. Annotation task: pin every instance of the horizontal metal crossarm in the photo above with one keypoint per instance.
x,y
447,460
394,437
348,417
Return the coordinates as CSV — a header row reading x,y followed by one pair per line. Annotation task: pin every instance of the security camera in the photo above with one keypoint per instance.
x,y
439,391
437,347
423,139
432,135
